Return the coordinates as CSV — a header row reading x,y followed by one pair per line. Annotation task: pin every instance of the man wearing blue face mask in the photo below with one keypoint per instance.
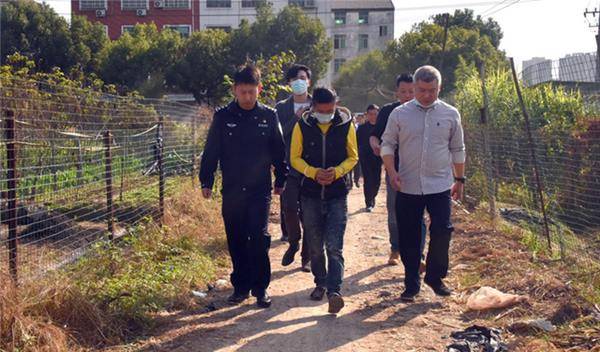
x,y
324,150
289,112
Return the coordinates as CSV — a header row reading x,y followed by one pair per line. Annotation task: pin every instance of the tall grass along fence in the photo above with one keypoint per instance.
x,y
534,157
78,166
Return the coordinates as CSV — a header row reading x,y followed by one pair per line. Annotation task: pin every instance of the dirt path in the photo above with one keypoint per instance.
x,y
374,318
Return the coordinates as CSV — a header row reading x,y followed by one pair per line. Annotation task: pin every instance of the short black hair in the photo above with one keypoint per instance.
x,y
404,77
293,71
248,74
322,95
372,107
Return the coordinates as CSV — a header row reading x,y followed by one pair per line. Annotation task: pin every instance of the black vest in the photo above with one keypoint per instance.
x,y
324,151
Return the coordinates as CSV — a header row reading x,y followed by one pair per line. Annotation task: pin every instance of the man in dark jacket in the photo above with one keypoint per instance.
x,y
289,112
245,139
370,164
323,150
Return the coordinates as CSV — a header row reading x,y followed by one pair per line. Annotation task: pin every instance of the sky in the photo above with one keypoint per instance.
x,y
532,28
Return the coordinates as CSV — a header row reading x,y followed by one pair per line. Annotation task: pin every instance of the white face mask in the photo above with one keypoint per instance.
x,y
299,87
323,118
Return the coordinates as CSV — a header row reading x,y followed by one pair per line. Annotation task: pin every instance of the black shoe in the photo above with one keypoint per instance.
x,y
409,295
284,238
263,301
288,256
439,287
336,303
318,293
306,266
237,298
369,209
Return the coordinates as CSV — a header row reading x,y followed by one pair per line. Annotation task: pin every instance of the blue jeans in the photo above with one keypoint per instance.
x,y
393,222
324,226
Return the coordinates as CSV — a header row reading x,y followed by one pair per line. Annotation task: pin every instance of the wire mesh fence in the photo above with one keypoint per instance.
x,y
553,132
79,166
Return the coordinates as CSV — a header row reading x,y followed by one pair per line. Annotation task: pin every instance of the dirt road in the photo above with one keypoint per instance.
x,y
374,318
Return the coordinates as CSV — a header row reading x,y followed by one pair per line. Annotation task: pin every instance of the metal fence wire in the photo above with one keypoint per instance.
x,y
79,166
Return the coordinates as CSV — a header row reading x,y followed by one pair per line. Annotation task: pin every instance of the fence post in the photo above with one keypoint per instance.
x,y
538,180
11,211
486,146
109,188
161,173
123,157
194,149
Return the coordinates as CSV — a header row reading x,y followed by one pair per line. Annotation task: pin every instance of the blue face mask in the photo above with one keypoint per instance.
x,y
299,87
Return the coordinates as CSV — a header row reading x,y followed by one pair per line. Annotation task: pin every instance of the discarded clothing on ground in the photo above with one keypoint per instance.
x,y
477,339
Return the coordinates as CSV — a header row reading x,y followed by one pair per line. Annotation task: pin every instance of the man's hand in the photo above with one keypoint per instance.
x,y
396,182
301,111
457,190
325,177
206,193
278,191
375,145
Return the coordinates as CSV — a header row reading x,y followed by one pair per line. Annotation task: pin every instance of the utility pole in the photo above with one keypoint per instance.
x,y
595,14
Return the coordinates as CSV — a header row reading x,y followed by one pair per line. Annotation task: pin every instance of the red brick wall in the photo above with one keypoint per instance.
x,y
115,17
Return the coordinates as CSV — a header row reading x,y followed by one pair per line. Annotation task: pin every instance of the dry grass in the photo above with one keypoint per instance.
x,y
81,307
494,255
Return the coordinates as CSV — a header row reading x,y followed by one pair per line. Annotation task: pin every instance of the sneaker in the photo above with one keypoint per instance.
x,y
237,298
394,258
263,300
284,238
409,295
305,266
336,303
438,287
317,294
369,209
288,256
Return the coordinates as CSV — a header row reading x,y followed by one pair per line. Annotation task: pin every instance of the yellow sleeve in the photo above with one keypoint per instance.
x,y
296,155
352,150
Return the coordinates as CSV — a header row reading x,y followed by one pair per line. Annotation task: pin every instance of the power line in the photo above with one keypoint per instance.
x,y
509,5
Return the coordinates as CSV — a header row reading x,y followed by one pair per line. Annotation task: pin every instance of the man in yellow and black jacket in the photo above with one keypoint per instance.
x,y
324,150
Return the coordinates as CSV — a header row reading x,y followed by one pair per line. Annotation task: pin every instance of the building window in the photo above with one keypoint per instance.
x,y
92,5
339,17
177,4
250,3
339,41
302,3
226,29
337,64
218,3
363,17
127,28
363,41
383,31
134,4
184,29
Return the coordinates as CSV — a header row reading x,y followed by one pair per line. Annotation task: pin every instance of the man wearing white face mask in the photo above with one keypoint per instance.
x,y
324,150
289,112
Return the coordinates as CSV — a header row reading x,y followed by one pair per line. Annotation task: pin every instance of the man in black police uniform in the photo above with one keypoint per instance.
x,y
245,139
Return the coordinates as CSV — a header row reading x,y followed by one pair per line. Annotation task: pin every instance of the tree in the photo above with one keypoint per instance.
x,y
203,66
137,56
466,19
366,79
37,32
88,41
289,30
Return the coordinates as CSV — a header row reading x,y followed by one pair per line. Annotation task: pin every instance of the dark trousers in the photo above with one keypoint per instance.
x,y
291,216
409,212
246,221
371,170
